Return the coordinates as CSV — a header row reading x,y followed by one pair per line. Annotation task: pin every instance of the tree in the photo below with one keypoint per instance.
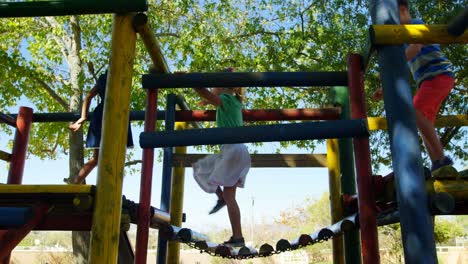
x,y
311,216
445,230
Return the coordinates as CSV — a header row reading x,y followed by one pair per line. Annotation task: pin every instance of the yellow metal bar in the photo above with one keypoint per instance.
x,y
55,189
336,207
108,205
177,199
457,188
380,123
416,34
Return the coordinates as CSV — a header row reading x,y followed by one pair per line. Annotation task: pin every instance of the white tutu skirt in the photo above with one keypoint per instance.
x,y
228,168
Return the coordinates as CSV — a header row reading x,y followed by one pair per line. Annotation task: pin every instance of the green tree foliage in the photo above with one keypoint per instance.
x,y
251,35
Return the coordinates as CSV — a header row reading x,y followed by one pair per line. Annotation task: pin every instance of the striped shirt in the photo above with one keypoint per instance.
x,y
429,62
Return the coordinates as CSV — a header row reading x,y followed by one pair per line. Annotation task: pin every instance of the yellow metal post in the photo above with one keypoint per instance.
x,y
107,209
177,199
419,34
336,207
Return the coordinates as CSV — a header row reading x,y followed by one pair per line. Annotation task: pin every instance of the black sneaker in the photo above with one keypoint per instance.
x,y
446,161
234,242
219,204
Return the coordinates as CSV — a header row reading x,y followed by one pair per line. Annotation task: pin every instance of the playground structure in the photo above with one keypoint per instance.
x,y
104,213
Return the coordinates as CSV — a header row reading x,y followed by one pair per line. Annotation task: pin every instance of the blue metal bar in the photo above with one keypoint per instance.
x,y
416,224
243,79
12,217
263,133
167,173
458,24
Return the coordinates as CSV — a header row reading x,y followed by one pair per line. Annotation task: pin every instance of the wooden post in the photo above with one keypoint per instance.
x,y
107,210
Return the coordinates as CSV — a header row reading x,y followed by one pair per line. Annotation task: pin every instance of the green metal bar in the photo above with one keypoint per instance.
x,y
339,96
70,7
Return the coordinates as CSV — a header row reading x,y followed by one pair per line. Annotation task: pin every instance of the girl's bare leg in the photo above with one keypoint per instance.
x,y
87,168
229,195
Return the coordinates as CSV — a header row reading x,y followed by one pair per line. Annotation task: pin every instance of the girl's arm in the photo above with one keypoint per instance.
x,y
413,50
209,97
85,109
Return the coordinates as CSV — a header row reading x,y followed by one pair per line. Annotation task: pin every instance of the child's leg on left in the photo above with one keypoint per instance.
x,y
229,195
87,168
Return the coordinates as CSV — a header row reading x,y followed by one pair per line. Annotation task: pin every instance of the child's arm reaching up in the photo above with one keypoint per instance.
x,y
208,96
412,51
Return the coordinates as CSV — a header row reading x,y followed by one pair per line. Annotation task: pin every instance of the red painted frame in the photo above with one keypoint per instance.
x,y
367,207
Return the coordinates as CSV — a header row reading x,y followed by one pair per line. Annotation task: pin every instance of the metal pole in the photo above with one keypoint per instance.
x,y
177,199
416,224
20,147
336,208
166,174
243,79
206,115
340,97
146,181
18,156
278,132
367,210
108,205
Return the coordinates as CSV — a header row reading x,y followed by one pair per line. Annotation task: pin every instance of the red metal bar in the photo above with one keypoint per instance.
x,y
367,208
20,147
11,238
73,222
7,119
146,179
332,113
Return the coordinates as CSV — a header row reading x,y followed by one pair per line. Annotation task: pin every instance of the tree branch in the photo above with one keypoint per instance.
x,y
50,91
133,162
64,42
167,34
449,133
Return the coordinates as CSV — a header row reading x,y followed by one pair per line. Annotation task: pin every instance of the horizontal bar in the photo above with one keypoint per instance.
x,y
5,156
12,217
329,113
244,79
414,34
457,188
264,160
70,7
80,221
8,119
183,105
262,133
459,23
380,123
46,189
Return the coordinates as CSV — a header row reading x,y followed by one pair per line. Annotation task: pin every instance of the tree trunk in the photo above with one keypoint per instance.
x,y
80,239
